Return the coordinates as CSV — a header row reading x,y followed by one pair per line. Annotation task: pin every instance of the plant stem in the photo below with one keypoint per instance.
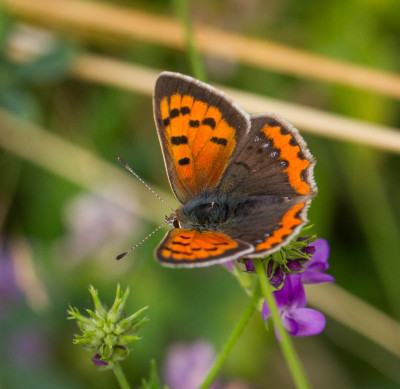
x,y
182,12
286,344
119,374
224,353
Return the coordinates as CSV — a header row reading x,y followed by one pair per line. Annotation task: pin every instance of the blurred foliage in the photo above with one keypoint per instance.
x,y
357,209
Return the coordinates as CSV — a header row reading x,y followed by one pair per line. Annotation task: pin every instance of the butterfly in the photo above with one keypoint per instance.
x,y
244,182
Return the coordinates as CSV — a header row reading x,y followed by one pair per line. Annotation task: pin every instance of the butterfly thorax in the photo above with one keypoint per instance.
x,y
211,211
204,212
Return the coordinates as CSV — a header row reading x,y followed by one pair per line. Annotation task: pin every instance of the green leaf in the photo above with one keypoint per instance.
x,y
154,379
19,102
49,67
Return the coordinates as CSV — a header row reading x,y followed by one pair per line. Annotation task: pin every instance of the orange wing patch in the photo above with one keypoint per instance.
x,y
191,248
289,221
290,153
199,140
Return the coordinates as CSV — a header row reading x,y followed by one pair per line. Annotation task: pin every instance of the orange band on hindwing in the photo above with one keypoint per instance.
x,y
191,245
289,221
291,153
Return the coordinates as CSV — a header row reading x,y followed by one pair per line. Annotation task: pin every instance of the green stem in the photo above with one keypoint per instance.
x,y
182,12
286,344
119,374
224,353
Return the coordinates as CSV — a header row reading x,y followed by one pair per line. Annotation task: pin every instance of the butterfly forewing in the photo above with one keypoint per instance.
x,y
199,128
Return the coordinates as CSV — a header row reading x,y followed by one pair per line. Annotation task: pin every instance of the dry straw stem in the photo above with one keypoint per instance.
x,y
112,72
357,315
130,23
140,79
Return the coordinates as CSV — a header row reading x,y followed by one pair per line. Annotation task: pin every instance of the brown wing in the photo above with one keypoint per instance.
x,y
198,128
273,161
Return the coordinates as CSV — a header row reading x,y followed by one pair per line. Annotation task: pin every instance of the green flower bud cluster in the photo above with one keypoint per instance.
x,y
107,333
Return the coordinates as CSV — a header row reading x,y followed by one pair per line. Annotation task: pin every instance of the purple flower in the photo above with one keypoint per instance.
x,y
249,265
291,301
313,273
97,360
187,365
276,275
28,347
92,221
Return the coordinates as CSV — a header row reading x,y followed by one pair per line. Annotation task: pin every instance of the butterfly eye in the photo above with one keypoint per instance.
x,y
176,223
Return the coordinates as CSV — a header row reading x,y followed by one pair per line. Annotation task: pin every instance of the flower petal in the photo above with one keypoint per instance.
x,y
313,273
311,277
308,321
292,327
229,265
292,294
322,251
265,312
187,364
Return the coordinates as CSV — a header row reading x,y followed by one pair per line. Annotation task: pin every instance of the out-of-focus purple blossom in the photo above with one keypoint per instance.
x,y
94,222
236,384
9,289
28,347
229,265
291,302
315,268
186,365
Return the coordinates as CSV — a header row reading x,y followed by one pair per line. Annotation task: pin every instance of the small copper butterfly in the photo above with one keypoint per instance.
x,y
245,182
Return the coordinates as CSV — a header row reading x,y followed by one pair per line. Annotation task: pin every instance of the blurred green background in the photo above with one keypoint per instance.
x,y
59,236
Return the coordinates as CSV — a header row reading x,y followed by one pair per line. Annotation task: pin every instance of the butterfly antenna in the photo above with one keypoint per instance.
x,y
126,166
118,257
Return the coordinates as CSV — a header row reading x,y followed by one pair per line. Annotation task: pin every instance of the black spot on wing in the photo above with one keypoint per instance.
x,y
209,122
185,110
181,244
179,140
174,113
219,141
194,123
184,161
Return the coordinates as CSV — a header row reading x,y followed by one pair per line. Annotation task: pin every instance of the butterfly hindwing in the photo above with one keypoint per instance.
x,y
273,160
198,128
190,248
269,223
